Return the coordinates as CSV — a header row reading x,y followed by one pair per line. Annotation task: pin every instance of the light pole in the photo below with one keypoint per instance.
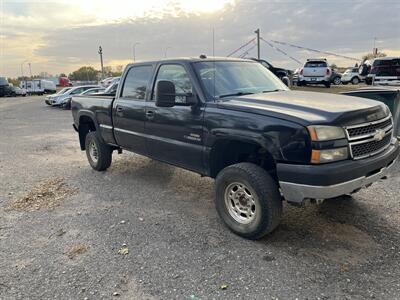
x,y
166,51
134,50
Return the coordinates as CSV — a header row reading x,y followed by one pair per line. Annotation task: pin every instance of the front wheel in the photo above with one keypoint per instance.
x,y
98,153
355,80
248,200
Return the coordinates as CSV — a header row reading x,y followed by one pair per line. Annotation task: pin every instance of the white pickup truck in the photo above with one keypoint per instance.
x,y
315,71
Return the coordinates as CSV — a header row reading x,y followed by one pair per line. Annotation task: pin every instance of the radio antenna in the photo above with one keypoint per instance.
x,y
213,54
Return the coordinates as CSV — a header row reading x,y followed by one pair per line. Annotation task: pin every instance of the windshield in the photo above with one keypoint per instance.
x,y
3,81
226,78
63,91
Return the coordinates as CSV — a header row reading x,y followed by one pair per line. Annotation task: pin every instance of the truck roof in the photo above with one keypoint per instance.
x,y
193,59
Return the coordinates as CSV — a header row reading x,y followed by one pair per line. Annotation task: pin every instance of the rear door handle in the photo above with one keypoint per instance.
x,y
150,114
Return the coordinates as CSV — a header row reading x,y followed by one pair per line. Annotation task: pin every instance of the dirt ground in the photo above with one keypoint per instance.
x,y
147,230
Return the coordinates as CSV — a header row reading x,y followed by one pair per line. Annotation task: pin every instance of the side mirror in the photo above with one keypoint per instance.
x,y
165,93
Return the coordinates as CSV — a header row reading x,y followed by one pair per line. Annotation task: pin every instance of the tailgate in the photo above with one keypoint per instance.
x,y
314,72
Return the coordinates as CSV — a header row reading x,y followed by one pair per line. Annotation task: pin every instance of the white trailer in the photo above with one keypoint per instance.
x,y
38,86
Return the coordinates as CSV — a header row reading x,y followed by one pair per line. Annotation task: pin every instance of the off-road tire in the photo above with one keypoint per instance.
x,y
104,152
268,217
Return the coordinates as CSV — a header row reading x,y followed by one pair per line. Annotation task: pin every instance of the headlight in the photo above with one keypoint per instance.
x,y
325,133
329,155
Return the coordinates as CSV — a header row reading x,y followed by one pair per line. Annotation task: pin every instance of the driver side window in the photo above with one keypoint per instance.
x,y
178,75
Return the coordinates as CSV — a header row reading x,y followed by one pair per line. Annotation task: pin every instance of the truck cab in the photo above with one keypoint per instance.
x,y
233,120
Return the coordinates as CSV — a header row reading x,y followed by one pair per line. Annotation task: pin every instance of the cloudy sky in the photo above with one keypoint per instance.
x,y
61,35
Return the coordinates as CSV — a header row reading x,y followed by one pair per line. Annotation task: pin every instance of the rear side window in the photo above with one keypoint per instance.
x,y
3,81
382,62
315,64
136,81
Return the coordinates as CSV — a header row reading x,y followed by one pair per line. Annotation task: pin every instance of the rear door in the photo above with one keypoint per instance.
x,y
315,69
129,109
175,134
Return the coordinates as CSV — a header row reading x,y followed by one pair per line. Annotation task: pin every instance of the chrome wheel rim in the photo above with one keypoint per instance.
x,y
241,202
94,155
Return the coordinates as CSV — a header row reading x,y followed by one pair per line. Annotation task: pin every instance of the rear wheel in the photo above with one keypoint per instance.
x,y
248,200
337,81
98,153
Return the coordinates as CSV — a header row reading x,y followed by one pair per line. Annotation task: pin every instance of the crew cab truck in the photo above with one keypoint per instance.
x,y
233,120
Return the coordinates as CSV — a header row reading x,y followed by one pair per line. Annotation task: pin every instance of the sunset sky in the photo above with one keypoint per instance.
x,y
61,35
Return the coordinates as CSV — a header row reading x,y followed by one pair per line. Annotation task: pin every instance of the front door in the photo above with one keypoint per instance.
x,y
175,134
129,109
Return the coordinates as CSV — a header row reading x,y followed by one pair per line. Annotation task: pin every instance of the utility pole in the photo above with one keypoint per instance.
x,y
22,69
30,69
134,51
258,42
101,61
166,51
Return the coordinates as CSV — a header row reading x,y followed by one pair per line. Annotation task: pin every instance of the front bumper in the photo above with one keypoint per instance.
x,y
300,182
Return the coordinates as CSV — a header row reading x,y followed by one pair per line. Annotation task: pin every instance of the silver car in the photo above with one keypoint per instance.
x,y
49,99
61,99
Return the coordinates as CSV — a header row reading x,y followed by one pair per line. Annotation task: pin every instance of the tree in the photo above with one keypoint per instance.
x,y
371,56
84,74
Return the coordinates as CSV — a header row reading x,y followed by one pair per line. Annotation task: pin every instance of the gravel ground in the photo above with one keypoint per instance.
x,y
147,230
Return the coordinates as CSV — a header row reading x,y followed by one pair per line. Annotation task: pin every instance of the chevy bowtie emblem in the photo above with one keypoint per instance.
x,y
379,135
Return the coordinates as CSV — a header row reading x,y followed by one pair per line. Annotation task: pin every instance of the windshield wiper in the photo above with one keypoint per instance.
x,y
234,94
270,91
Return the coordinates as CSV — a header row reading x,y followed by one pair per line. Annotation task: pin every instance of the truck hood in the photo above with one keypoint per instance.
x,y
309,108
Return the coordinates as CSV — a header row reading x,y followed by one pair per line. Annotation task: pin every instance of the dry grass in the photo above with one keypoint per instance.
x,y
76,250
45,195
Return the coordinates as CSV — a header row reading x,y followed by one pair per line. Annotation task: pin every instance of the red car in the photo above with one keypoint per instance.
x,y
384,69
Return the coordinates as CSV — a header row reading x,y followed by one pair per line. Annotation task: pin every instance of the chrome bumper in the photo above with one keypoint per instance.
x,y
294,192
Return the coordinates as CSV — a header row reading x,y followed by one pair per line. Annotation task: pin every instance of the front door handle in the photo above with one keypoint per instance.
x,y
150,114
120,109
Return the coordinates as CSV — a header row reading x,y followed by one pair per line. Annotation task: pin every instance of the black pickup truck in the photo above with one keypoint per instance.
x,y
233,120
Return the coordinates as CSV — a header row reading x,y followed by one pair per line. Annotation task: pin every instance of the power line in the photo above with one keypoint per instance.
x,y
241,47
281,51
247,51
315,50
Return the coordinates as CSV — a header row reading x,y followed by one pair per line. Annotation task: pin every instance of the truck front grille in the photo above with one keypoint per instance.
x,y
369,139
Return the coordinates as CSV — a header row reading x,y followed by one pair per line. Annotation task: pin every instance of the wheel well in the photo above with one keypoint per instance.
x,y
86,124
227,152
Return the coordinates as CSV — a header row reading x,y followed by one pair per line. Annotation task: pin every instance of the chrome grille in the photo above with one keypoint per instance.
x,y
369,129
369,139
370,148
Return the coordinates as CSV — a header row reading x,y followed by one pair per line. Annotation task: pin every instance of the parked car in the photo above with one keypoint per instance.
x,y
278,72
5,89
17,91
49,99
352,75
232,120
335,77
67,101
38,86
384,69
109,81
62,98
112,89
315,71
